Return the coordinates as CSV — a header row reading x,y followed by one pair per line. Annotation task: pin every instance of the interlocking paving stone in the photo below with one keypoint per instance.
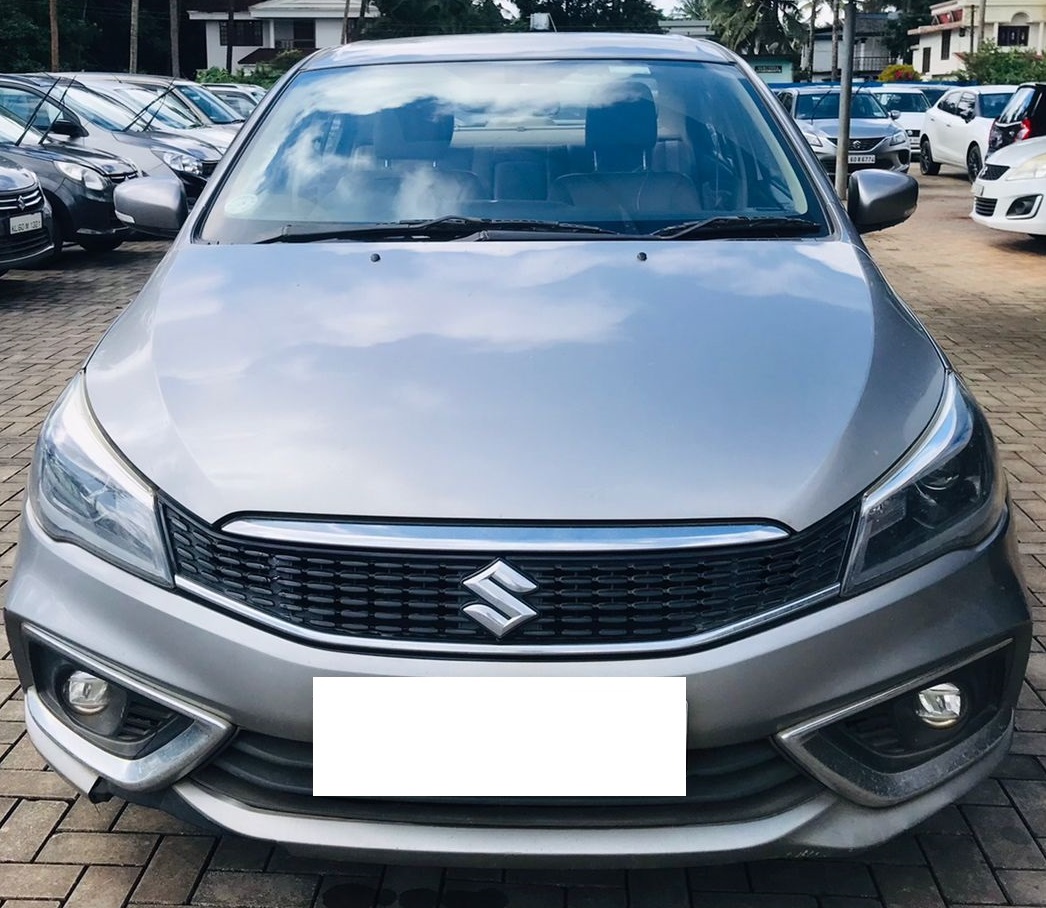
x,y
960,869
136,818
255,890
237,853
719,878
103,887
658,889
907,887
1004,837
596,897
25,829
98,848
1024,887
347,892
41,881
84,816
174,870
812,877
481,894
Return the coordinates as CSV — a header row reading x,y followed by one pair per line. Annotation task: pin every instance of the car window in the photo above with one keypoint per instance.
x,y
904,101
950,102
102,112
1016,107
993,104
579,141
966,105
12,128
242,105
215,110
23,104
160,108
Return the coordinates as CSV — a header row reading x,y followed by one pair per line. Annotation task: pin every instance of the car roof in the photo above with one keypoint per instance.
x,y
521,46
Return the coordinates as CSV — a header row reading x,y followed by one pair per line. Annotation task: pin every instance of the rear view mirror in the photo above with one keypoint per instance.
x,y
895,115
153,205
67,129
877,199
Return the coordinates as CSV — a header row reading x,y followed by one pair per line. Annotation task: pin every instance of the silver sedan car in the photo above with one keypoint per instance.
x,y
506,405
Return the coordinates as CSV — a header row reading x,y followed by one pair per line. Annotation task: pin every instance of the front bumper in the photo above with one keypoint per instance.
x,y
1013,205
92,215
896,158
29,249
749,689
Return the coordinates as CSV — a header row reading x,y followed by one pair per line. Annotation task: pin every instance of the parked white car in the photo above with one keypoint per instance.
x,y
911,106
956,128
1009,191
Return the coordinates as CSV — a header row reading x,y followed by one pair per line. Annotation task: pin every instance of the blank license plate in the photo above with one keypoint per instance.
x,y
861,158
499,737
23,223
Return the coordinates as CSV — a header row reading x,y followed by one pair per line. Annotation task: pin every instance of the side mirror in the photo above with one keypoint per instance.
x,y
895,115
67,129
152,205
877,199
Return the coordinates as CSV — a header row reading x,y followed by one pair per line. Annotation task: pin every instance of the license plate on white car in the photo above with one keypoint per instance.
x,y
24,223
861,159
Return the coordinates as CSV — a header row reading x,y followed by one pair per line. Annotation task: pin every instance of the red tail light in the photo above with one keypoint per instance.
x,y
1025,131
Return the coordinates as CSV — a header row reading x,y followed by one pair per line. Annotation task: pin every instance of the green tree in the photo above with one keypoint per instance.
x,y
757,26
691,9
401,18
991,65
913,14
596,15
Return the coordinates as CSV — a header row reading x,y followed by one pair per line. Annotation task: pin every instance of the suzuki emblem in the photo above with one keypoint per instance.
x,y
500,611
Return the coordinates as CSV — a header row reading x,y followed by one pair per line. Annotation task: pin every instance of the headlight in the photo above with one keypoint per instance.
x,y
84,493
949,492
1032,169
899,138
814,139
176,160
90,177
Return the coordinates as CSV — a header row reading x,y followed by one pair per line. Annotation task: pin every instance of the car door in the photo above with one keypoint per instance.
x,y
967,130
939,126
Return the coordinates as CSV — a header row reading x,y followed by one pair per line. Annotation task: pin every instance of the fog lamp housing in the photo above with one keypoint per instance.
x,y
1026,206
940,706
86,694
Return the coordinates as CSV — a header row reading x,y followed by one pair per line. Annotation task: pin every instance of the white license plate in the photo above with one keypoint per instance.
x,y
23,223
499,737
861,159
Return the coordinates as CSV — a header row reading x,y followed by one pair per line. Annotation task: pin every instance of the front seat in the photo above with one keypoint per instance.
x,y
620,135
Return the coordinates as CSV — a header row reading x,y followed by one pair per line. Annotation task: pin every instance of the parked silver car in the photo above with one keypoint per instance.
x,y
495,359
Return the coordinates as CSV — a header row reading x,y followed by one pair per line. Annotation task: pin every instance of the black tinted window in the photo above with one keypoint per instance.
x,y
1016,108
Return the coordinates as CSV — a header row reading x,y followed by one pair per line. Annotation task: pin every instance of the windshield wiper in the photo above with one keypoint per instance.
x,y
739,226
449,227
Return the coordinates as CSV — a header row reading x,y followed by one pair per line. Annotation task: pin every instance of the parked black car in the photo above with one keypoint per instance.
x,y
1024,117
26,223
77,182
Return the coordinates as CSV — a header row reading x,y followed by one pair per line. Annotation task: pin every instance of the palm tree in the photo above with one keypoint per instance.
x,y
753,27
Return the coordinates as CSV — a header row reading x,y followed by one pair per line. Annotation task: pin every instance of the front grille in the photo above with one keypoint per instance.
x,y
912,133
984,207
993,171
20,202
581,598
121,177
864,144
724,784
23,244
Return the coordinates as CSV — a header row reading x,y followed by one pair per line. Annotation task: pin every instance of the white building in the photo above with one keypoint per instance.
x,y
691,28
871,56
261,30
955,28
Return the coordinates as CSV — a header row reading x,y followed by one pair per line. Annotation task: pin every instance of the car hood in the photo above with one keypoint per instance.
x,y
170,141
522,381
99,160
13,179
859,129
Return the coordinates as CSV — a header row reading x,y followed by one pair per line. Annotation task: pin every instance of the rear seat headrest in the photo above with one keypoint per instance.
x,y
415,132
627,117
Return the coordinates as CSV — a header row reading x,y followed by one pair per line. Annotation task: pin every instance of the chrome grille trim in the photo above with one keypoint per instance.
x,y
32,199
493,538
342,641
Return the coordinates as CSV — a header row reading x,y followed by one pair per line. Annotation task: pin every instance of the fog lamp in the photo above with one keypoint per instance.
x,y
939,706
87,694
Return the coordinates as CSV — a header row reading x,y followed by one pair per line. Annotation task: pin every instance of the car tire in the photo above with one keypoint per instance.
x,y
974,162
99,244
927,166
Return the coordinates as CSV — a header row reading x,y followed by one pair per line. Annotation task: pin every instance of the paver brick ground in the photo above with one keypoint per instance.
x,y
982,293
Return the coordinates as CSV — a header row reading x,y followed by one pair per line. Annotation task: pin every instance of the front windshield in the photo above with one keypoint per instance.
x,y
100,111
169,112
213,109
628,146
992,105
826,107
904,101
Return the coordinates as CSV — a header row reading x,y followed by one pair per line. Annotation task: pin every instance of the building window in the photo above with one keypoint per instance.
x,y
1013,36
946,45
245,33
926,60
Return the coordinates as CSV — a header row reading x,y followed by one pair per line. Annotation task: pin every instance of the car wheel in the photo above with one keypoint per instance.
x,y
99,244
973,162
927,165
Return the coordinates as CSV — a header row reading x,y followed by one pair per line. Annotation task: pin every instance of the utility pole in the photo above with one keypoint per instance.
x,y
980,41
835,40
345,24
175,49
52,8
133,64
229,28
842,151
813,23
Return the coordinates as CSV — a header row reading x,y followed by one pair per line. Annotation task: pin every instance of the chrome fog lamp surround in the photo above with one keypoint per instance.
x,y
940,706
87,694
